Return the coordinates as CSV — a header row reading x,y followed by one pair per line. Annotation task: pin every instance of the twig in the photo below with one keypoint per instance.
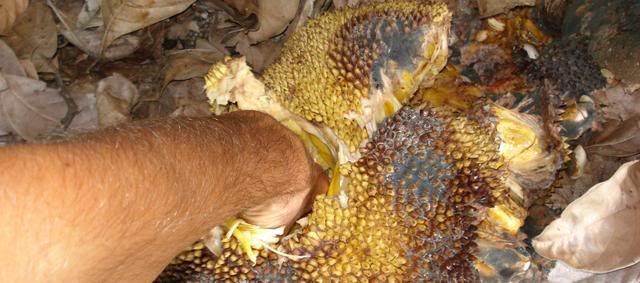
x,y
72,107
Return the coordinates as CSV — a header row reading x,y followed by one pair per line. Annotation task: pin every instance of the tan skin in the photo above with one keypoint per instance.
x,y
119,204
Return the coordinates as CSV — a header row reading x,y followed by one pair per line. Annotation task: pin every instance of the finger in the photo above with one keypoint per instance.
x,y
322,181
320,188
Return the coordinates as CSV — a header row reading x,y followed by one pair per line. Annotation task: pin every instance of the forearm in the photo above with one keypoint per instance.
x,y
99,197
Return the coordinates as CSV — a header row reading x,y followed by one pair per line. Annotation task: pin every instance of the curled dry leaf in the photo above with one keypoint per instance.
x,y
9,63
598,232
9,11
28,108
125,16
260,55
618,139
90,15
307,11
115,97
87,117
273,16
29,69
562,273
34,36
89,40
82,91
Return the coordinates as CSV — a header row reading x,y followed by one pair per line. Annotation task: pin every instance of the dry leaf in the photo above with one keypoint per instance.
x,y
90,16
598,232
189,98
29,69
115,97
562,273
9,11
90,40
28,108
490,8
617,103
87,117
125,16
342,3
9,63
34,36
260,55
191,63
307,12
83,92
273,16
597,169
618,139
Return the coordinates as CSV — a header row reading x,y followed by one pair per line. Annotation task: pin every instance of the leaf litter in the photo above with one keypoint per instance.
x,y
77,65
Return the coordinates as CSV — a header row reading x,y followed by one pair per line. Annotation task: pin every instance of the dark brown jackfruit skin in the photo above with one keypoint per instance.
x,y
415,200
328,66
567,64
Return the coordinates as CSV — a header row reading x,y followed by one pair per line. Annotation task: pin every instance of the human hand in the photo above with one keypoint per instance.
x,y
284,210
280,170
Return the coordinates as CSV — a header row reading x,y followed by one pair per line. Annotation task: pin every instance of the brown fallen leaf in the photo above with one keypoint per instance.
x,y
343,3
273,16
309,9
83,92
9,63
562,273
9,11
28,108
87,117
190,63
115,97
125,16
490,8
618,139
617,103
598,232
34,36
90,40
90,16
260,55
189,98
598,168
29,69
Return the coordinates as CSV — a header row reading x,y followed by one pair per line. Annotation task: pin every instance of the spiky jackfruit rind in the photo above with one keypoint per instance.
x,y
374,54
415,207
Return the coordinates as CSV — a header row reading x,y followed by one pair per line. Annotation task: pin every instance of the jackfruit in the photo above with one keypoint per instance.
x,y
419,187
427,184
350,68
